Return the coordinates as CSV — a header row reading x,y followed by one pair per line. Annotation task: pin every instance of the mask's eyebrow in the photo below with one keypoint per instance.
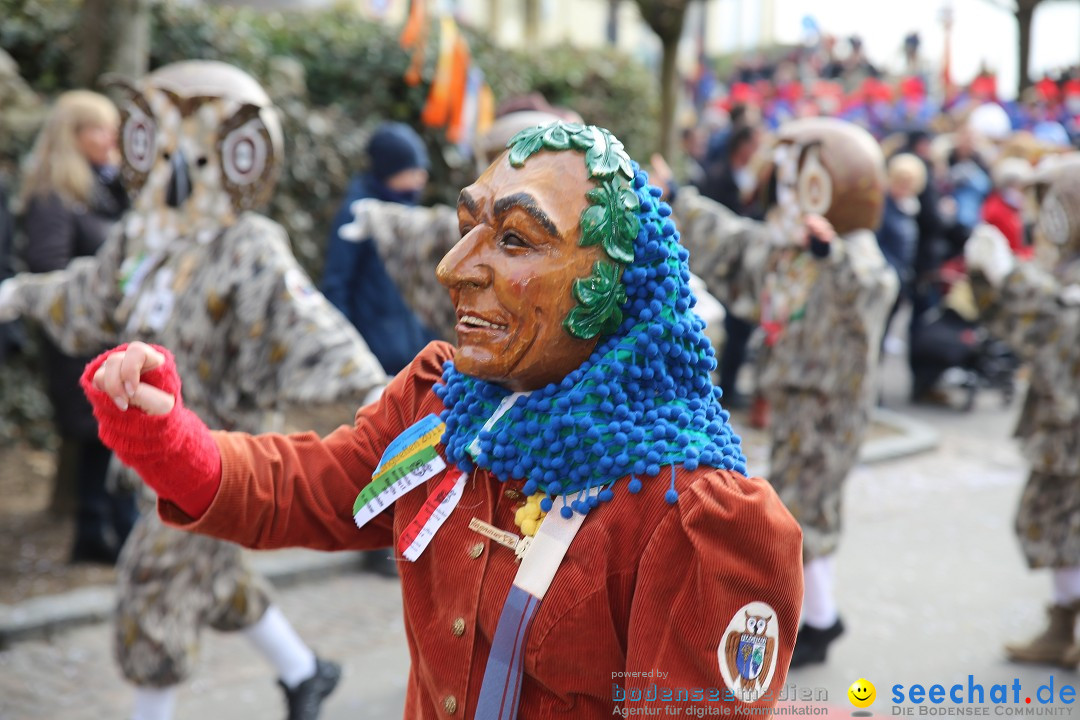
x,y
528,203
464,198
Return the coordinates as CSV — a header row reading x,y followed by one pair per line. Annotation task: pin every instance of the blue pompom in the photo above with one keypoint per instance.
x,y
545,504
671,496
566,512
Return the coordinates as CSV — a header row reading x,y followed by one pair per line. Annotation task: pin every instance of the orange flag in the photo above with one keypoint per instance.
x,y
414,25
436,112
459,76
414,35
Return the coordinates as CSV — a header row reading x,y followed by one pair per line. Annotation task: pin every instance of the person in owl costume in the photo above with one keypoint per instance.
x,y
823,307
1035,307
577,530
193,266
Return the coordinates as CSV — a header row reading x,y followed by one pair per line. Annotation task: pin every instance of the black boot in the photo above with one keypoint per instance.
x,y
812,644
305,700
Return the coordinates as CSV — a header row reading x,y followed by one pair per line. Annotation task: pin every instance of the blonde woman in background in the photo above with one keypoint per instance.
x,y
898,236
71,196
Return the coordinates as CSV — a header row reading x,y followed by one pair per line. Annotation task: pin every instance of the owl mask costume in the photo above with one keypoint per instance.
x,y
201,144
192,266
823,309
1035,307
553,485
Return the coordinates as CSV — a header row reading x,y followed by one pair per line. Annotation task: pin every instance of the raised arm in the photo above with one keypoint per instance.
x,y
294,346
1019,303
265,491
859,280
76,305
729,253
411,241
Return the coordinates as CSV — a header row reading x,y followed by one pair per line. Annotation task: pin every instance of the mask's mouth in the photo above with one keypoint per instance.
x,y
474,321
179,188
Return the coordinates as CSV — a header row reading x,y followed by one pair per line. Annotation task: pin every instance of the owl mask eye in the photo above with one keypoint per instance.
x,y
139,140
1053,221
138,135
246,155
815,186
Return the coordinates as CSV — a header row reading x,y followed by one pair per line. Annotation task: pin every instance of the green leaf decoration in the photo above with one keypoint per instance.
x,y
556,137
611,219
581,136
600,297
604,153
607,157
525,143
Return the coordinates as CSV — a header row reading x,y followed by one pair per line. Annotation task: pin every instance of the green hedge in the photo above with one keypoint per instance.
x,y
354,72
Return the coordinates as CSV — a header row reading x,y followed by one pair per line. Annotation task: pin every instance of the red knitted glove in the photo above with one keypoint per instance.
x,y
174,453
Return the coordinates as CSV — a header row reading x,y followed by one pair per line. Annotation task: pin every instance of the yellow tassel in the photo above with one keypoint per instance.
x,y
529,516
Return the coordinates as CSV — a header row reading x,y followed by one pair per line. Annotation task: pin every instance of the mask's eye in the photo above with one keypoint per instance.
x,y
511,239
201,162
466,229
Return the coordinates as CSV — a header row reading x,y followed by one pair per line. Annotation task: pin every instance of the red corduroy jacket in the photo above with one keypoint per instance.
x,y
645,603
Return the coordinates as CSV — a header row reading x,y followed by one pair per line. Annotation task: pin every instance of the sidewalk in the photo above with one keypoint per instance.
x,y
43,616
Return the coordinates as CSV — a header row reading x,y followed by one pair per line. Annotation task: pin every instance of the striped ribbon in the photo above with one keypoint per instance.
x,y
501,688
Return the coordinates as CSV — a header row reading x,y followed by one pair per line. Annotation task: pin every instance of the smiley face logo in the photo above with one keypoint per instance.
x,y
862,693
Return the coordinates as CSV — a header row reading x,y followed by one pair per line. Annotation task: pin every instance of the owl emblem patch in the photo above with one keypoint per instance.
x,y
747,652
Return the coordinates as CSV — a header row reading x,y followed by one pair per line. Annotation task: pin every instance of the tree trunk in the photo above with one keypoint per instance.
x,y
94,25
1025,13
131,35
115,38
666,18
669,96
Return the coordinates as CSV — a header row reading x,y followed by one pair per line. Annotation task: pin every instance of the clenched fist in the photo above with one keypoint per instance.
x,y
135,392
120,377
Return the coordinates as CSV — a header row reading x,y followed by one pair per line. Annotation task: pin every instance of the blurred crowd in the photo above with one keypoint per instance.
x,y
940,185
835,77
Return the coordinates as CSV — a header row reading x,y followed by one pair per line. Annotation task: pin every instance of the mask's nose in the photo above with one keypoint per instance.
x,y
179,183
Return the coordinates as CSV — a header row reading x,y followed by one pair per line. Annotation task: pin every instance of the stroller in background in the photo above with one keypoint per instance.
x,y
948,348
